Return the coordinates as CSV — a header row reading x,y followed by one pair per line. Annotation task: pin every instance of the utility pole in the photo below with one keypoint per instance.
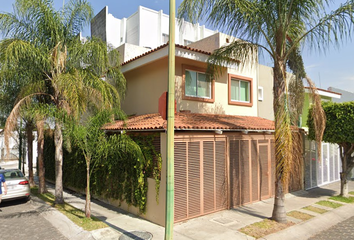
x,y
169,212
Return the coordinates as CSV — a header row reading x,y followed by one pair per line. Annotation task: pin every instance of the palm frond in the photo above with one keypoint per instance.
x,y
78,13
283,139
238,52
12,119
329,29
318,115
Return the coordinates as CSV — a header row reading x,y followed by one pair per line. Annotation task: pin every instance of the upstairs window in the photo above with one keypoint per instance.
x,y
198,85
240,90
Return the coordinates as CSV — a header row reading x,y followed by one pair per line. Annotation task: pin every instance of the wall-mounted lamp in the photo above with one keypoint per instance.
x,y
218,131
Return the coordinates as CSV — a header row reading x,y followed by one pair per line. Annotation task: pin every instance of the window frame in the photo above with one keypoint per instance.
x,y
245,79
195,98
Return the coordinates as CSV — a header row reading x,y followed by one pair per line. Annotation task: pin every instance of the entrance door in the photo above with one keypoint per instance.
x,y
251,171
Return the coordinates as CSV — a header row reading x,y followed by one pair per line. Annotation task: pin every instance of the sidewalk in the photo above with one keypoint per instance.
x,y
220,225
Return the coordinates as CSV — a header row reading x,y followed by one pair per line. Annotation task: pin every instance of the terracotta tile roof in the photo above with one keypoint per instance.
x,y
189,121
163,46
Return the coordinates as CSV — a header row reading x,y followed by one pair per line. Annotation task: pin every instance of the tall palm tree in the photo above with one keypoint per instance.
x,y
65,75
279,28
10,87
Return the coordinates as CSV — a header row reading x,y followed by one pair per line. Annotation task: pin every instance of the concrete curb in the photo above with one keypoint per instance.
x,y
64,225
315,225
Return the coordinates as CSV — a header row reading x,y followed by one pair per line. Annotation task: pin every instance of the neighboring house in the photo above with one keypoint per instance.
x,y
224,152
11,160
345,97
145,28
325,170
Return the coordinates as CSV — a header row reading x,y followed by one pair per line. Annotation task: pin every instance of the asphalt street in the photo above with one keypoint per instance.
x,y
342,231
23,220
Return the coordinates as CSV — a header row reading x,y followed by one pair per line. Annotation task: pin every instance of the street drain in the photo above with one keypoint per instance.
x,y
136,235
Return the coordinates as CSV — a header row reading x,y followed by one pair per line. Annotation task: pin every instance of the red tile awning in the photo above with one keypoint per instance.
x,y
192,121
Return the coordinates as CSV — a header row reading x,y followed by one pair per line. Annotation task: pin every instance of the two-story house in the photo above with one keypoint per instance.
x,y
224,152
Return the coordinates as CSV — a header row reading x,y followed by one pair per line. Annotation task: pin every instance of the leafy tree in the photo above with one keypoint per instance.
x,y
339,126
65,75
92,141
280,29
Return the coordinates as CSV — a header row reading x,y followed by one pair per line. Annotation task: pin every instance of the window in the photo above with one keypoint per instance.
x,y
240,90
260,93
187,42
165,38
198,85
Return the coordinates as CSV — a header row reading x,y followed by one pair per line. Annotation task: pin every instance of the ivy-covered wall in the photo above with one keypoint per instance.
x,y
122,175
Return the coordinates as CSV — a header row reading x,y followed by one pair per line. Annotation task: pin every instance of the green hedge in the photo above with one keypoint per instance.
x,y
122,175
74,166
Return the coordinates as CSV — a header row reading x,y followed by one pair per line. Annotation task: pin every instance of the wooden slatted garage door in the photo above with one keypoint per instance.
x,y
200,178
251,170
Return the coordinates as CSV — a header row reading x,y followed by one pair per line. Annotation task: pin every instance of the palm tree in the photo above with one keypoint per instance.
x,y
65,75
8,97
280,29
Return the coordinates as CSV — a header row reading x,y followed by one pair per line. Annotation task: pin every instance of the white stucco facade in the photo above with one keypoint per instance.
x,y
145,28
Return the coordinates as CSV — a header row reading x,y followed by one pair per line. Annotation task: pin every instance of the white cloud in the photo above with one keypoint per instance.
x,y
312,66
350,78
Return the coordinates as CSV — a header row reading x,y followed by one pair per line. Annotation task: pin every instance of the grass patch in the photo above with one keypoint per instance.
x,y
299,215
75,215
343,199
351,193
265,227
315,209
329,204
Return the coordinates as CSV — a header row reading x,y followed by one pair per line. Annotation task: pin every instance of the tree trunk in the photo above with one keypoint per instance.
x,y
344,185
29,133
279,213
343,174
58,142
40,145
88,195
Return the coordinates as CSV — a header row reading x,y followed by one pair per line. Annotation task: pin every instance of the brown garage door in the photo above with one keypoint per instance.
x,y
200,178
251,171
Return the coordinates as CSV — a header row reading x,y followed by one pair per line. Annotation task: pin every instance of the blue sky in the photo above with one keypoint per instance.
x,y
335,68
